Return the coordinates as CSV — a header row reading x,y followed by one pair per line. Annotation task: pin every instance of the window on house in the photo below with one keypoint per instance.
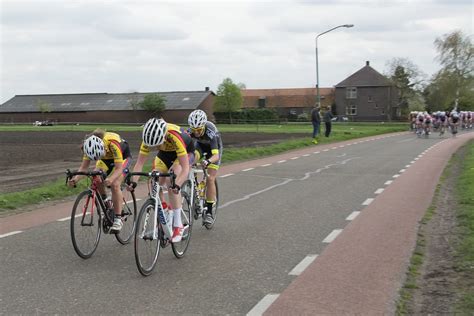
x,y
351,109
376,106
383,111
351,93
261,102
369,99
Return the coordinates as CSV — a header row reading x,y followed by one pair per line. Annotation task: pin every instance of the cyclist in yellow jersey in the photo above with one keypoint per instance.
x,y
112,155
175,150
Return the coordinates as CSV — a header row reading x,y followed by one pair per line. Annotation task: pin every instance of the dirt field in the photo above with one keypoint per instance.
x,y
28,159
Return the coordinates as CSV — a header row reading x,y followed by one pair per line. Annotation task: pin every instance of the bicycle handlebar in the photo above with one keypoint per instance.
x,y
70,174
151,174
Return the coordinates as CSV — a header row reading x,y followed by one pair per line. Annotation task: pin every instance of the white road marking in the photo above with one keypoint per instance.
x,y
226,175
334,148
396,176
332,236
293,158
368,201
407,166
11,233
248,169
388,182
352,215
282,161
326,150
305,155
413,161
266,165
402,170
262,306
379,191
416,159
300,267
316,152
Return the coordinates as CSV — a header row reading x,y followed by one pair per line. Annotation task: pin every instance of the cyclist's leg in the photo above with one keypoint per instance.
x,y
103,166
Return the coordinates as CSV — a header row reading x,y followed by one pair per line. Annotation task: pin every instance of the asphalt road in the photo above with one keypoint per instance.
x,y
274,213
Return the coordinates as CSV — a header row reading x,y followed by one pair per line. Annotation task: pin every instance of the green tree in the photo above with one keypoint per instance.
x,y
408,79
228,98
455,79
154,103
43,106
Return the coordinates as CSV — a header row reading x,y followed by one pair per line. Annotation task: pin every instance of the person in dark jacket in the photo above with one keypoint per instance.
x,y
316,120
328,121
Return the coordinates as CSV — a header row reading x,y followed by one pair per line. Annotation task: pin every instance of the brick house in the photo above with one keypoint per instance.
x,y
102,107
286,102
367,95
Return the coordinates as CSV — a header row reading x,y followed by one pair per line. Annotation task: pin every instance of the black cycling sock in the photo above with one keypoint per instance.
x,y
209,207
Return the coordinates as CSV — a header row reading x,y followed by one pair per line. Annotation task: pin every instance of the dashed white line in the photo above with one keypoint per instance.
x,y
352,215
395,176
407,166
332,235
378,191
326,150
262,306
266,165
334,148
388,182
300,267
367,201
248,169
281,161
316,152
402,170
305,155
226,175
293,158
11,233
413,161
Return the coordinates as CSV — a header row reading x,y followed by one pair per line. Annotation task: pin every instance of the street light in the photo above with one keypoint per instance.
x,y
317,68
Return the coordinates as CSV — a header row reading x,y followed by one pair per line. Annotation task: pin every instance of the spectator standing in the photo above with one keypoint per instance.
x,y
316,120
328,121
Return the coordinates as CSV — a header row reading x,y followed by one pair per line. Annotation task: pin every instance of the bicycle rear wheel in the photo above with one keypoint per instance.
x,y
179,248
129,217
86,223
214,209
147,248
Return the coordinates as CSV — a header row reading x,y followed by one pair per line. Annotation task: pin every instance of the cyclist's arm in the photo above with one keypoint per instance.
x,y
83,167
183,175
142,157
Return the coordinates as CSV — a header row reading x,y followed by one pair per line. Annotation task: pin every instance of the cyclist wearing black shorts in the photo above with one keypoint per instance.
x,y
208,145
112,155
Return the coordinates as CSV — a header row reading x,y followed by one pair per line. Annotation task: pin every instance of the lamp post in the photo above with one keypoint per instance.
x,y
317,68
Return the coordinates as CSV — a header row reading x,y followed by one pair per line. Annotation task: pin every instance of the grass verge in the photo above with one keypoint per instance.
x,y
465,250
56,190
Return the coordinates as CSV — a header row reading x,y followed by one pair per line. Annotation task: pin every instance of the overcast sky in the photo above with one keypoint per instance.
x,y
85,46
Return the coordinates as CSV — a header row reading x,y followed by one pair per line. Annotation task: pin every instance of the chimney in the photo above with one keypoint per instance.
x,y
367,63
206,89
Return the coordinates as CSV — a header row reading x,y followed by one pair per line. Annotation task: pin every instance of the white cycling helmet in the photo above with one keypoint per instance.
x,y
154,132
197,119
94,147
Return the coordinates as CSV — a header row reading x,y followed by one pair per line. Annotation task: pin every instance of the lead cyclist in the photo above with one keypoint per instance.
x,y
208,144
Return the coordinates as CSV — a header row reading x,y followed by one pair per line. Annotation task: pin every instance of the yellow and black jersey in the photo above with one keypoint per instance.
x,y
176,140
114,148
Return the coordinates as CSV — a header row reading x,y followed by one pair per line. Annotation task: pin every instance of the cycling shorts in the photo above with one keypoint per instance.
x,y
165,159
108,165
203,150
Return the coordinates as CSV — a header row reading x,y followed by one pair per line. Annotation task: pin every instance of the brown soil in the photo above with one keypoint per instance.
x,y
28,159
438,280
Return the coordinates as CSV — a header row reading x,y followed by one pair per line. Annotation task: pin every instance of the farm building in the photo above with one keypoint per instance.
x,y
367,95
102,107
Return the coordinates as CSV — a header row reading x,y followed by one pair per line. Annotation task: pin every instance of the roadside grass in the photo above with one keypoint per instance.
x,y
56,190
465,251
465,215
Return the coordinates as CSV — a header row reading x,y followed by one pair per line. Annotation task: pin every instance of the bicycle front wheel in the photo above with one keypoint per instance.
x,y
179,248
85,224
129,212
147,241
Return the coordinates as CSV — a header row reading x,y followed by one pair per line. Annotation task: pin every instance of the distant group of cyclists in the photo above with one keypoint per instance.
x,y
424,123
177,149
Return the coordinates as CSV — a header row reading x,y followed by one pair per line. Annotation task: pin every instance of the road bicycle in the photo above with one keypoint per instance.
x,y
154,227
92,214
195,188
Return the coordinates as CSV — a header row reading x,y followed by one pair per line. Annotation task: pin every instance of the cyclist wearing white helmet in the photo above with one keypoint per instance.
x,y
111,154
175,152
208,144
